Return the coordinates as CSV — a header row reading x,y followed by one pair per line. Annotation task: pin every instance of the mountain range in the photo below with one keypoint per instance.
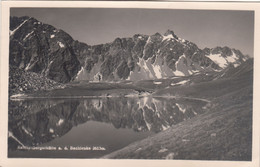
x,y
54,54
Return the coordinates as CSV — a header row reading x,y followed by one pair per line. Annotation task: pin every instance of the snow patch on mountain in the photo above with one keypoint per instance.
x,y
223,62
13,31
161,69
51,130
61,44
165,127
30,65
178,73
148,40
236,65
181,40
168,37
181,108
48,69
128,79
148,70
180,83
28,35
98,77
183,82
26,131
145,69
178,64
79,72
218,59
157,82
158,71
148,125
93,75
60,122
233,58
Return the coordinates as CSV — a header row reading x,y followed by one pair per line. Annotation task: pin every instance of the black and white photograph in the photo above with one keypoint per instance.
x,y
130,83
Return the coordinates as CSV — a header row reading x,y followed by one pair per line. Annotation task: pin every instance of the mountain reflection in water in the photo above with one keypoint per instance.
x,y
37,122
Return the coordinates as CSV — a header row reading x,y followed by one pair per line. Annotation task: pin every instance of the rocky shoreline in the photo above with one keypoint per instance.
x,y
21,82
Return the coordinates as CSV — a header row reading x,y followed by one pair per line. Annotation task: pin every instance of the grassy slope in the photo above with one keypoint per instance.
x,y
221,133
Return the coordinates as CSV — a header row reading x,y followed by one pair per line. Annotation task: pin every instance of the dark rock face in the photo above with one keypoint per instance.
x,y
43,49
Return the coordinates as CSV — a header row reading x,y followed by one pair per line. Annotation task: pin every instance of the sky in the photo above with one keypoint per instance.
x,y
206,28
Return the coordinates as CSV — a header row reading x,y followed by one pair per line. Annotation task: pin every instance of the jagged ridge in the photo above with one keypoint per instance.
x,y
43,49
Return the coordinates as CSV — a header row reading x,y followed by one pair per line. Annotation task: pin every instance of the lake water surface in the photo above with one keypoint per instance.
x,y
90,127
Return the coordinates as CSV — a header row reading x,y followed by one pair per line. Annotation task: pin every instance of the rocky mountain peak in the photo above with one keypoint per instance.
x,y
157,34
170,33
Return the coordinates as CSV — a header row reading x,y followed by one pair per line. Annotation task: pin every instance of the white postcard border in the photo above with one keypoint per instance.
x,y
4,161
